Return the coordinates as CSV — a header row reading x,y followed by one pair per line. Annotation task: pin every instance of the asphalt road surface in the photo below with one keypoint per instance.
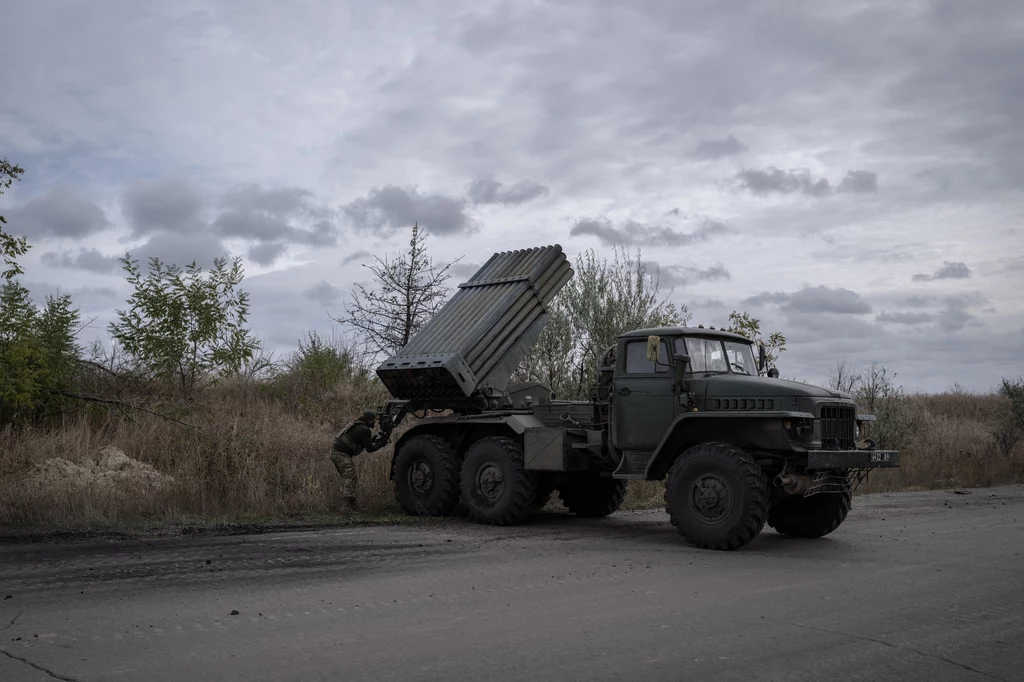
x,y
919,586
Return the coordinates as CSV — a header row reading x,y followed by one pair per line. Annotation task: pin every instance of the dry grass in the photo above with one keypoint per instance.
x,y
952,445
257,456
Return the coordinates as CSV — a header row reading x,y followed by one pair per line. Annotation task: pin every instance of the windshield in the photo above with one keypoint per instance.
x,y
707,355
741,357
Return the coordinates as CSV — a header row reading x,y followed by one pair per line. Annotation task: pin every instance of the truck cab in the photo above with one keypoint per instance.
x,y
676,386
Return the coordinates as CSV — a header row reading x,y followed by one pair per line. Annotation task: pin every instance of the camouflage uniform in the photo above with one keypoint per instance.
x,y
348,444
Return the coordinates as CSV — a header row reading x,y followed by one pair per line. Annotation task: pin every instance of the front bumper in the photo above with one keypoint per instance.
x,y
818,460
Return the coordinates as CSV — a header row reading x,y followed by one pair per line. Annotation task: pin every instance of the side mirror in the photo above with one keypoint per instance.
x,y
681,362
761,357
773,373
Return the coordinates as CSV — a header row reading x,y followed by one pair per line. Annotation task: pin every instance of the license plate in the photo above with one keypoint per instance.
x,y
880,457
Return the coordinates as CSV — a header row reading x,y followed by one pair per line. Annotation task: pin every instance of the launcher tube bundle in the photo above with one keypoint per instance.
x,y
479,337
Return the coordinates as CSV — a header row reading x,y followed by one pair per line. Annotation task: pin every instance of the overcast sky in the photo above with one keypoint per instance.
x,y
849,172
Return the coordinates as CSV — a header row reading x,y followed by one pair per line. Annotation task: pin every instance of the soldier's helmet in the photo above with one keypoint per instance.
x,y
369,416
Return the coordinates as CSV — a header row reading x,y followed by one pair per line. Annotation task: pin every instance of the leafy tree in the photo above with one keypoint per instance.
x,y
743,324
185,326
11,247
1010,429
38,353
598,304
409,290
320,363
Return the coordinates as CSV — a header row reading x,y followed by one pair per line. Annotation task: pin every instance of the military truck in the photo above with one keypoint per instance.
x,y
737,446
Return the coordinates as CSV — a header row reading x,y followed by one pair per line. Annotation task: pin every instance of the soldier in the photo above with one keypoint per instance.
x,y
350,442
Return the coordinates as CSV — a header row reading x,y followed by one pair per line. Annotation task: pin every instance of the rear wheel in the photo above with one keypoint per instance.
x,y
427,476
716,496
810,517
592,496
496,487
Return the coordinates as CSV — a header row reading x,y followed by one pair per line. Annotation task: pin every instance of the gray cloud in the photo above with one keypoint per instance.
x,y
86,259
904,317
919,301
278,201
774,180
85,298
859,182
464,270
956,315
57,213
1012,264
265,253
358,255
632,232
323,293
485,189
716,149
389,208
275,217
684,275
949,270
819,299
181,250
170,204
265,227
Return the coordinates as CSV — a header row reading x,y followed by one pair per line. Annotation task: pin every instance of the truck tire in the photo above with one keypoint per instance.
x,y
810,517
592,496
427,476
496,487
716,496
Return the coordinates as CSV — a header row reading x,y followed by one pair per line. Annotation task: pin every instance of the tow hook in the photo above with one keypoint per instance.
x,y
793,485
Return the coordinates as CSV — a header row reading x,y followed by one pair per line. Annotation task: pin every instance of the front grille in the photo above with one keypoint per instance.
x,y
837,427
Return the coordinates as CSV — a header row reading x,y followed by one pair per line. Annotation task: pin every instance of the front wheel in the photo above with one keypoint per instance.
x,y
716,496
427,476
496,487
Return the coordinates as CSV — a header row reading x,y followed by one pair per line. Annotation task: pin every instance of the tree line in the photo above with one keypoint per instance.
x,y
184,329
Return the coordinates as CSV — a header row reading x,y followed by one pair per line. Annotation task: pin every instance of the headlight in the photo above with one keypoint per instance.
x,y
796,428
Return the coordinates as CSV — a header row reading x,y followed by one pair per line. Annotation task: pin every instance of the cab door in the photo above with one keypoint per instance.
x,y
643,399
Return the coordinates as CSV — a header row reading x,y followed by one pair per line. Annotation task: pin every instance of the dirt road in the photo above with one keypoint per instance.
x,y
920,586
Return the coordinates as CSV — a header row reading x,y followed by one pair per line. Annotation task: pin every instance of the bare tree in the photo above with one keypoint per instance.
x,y
898,417
843,377
408,290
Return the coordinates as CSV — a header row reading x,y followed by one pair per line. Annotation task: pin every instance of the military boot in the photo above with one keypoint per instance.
x,y
349,504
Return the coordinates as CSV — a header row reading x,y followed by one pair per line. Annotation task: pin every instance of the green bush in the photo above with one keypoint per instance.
x,y
38,354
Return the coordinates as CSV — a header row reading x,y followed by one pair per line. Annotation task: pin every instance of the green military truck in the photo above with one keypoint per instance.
x,y
737,446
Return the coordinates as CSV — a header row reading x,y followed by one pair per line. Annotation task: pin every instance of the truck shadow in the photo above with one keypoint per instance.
x,y
655,531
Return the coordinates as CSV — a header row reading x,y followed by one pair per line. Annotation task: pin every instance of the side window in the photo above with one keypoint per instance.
x,y
637,362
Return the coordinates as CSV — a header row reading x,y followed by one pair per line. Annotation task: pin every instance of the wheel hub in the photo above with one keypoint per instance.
x,y
710,498
421,477
490,481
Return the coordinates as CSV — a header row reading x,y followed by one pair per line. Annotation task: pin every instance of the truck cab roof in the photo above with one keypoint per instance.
x,y
684,331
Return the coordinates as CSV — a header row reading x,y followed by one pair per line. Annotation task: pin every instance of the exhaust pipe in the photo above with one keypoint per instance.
x,y
793,485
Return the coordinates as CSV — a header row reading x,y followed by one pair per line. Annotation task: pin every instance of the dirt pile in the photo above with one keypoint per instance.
x,y
108,471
